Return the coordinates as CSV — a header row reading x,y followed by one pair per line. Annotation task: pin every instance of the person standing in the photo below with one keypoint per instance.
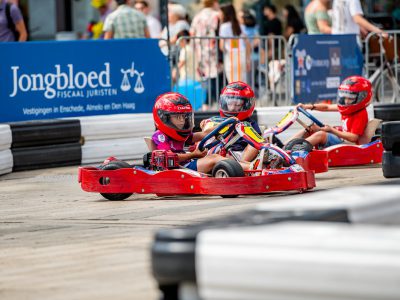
x,y
294,24
272,25
12,25
125,22
316,17
153,24
347,18
176,23
205,24
94,29
236,51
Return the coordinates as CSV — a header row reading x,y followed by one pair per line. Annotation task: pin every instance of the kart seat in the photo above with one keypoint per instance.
x,y
369,131
150,144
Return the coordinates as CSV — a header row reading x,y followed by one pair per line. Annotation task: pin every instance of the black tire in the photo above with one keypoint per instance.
x,y
228,168
387,112
115,165
391,136
50,156
147,160
298,145
390,165
45,133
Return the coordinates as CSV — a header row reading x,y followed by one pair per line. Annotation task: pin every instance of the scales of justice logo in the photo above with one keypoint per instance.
x,y
131,73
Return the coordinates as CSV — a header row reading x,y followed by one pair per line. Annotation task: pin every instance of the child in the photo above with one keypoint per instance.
x,y
173,117
238,100
186,67
354,95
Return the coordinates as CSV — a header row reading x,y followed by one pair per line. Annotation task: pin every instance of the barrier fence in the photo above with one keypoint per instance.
x,y
202,66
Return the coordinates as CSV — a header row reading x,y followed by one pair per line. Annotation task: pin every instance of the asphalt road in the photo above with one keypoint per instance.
x,y
58,242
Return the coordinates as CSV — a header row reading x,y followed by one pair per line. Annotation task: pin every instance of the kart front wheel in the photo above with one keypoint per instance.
x,y
114,165
228,168
298,145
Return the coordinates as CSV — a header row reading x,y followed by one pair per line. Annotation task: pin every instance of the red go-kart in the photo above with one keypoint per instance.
x,y
316,160
346,154
117,180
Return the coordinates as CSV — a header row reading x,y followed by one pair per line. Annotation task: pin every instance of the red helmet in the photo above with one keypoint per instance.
x,y
173,116
354,94
237,100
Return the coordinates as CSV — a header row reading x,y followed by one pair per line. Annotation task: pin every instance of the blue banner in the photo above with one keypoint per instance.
x,y
320,63
45,80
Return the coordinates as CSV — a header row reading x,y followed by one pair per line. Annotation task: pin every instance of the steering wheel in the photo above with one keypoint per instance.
x,y
231,122
310,116
283,124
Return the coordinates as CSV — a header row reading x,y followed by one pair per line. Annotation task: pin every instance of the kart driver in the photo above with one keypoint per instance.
x,y
237,99
354,95
173,117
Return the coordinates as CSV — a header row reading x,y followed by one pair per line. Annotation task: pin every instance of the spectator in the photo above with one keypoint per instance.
x,y
152,23
317,18
247,18
348,18
186,60
205,24
177,22
294,24
125,22
250,28
236,51
94,30
12,25
271,25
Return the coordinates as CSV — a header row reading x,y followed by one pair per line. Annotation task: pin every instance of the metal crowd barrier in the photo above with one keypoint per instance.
x,y
265,63
202,66
382,66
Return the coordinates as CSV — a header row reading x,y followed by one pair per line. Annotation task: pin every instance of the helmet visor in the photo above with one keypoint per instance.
x,y
235,104
347,98
177,121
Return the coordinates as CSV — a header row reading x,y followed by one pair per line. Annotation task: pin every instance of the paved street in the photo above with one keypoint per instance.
x,y
58,242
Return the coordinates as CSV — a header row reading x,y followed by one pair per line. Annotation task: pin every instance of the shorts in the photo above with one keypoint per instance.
x,y
192,165
332,140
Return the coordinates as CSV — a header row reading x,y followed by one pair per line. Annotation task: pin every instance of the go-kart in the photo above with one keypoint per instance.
x,y
316,160
229,131
346,154
117,180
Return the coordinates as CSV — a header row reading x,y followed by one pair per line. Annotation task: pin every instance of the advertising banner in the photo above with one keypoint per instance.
x,y
46,80
320,63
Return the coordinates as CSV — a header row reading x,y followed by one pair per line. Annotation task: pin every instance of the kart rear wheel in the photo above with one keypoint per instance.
x,y
228,168
298,145
114,165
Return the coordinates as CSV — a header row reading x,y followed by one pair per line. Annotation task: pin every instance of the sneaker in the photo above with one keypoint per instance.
x,y
273,160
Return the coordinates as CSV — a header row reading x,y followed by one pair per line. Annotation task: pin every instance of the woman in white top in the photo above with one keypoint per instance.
x,y
348,18
236,51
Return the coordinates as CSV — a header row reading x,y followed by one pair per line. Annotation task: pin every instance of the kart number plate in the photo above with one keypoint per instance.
x,y
285,119
253,134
